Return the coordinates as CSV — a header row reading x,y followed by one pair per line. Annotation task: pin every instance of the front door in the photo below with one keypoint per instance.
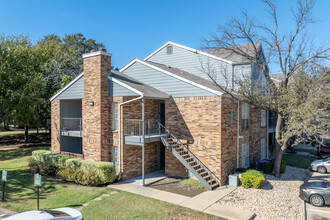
x,y
161,156
115,157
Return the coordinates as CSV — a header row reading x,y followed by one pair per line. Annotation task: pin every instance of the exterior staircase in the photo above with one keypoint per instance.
x,y
190,161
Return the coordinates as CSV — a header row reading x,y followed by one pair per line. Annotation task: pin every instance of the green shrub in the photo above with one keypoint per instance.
x,y
241,169
71,168
252,178
268,167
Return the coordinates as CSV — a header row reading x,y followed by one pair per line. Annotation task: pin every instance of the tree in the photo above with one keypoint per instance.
x,y
292,51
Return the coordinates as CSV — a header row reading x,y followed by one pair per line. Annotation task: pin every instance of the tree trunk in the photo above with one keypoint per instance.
x,y
26,128
38,129
278,148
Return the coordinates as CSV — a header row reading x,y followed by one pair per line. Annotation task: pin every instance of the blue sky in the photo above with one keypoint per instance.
x,y
133,29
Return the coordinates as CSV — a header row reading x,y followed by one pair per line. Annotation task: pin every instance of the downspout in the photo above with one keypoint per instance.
x,y
119,132
238,136
143,144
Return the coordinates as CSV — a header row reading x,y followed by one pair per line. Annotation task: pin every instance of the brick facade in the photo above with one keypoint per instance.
x,y
96,118
196,121
55,126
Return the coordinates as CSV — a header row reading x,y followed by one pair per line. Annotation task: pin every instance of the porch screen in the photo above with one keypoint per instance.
x,y
114,116
245,155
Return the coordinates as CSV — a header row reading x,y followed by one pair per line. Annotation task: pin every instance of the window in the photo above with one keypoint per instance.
x,y
169,49
263,118
114,116
115,157
263,149
245,116
232,118
245,155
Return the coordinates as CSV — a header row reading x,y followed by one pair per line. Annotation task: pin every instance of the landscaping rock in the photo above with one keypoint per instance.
x,y
278,198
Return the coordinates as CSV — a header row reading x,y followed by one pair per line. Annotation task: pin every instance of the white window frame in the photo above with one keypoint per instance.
x,y
263,118
245,116
245,155
263,150
115,116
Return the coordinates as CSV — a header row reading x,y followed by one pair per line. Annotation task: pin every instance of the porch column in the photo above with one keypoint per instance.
x,y
143,145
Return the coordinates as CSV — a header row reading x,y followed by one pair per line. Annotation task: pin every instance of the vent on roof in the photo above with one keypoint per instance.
x,y
169,49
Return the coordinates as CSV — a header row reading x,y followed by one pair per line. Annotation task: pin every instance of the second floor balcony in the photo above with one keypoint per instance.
x,y
71,127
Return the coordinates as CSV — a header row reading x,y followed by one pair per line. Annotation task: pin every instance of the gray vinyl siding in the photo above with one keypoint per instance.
x,y
75,91
117,90
197,64
242,73
164,82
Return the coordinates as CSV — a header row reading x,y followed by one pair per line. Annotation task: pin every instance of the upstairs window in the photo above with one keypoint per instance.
x,y
245,116
263,118
232,118
114,116
169,49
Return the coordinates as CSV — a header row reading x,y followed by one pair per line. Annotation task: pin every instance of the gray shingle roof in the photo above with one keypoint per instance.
x,y
186,75
227,54
148,91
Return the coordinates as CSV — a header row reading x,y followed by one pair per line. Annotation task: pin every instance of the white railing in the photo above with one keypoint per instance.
x,y
71,124
134,127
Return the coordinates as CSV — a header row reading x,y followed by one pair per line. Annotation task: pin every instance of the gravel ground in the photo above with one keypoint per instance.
x,y
277,199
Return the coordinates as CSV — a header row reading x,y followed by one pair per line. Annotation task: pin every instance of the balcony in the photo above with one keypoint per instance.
x,y
133,131
71,127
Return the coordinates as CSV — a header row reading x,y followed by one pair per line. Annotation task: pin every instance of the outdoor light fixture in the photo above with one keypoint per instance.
x,y
91,103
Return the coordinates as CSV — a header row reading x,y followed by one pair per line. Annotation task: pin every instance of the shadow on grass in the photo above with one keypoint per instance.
x,y
17,153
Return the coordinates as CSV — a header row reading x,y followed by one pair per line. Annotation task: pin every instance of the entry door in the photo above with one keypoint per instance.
x,y
115,157
245,155
263,149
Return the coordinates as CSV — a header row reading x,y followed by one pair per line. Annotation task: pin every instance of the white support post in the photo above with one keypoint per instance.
x,y
143,145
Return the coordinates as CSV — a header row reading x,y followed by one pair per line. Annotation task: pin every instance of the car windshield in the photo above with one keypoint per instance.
x,y
326,184
56,213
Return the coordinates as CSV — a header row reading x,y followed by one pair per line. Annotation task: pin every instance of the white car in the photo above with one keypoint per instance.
x,y
56,214
321,166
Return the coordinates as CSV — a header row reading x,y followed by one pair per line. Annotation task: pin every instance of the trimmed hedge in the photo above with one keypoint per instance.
x,y
71,168
252,178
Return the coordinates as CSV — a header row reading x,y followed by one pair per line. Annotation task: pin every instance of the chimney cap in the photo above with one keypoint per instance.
x,y
93,52
102,49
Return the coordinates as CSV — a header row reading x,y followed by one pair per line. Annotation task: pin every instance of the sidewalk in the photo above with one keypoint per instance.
x,y
4,213
205,202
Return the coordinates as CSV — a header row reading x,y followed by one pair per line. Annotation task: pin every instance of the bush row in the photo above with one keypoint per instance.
x,y
71,168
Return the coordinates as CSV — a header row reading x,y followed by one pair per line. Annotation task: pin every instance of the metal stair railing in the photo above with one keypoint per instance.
x,y
213,176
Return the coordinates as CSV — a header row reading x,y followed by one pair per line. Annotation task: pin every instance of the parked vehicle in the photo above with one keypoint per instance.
x,y
316,193
321,166
56,214
323,156
324,148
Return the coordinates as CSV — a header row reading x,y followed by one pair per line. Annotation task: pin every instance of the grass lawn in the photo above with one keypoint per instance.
x,y
21,195
298,160
307,151
19,132
124,205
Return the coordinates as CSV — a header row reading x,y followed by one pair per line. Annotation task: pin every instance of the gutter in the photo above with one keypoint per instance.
x,y
119,132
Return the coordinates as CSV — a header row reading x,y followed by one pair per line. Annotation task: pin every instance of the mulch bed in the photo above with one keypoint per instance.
x,y
16,142
173,185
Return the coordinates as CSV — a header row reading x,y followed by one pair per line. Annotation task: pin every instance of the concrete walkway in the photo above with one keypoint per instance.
x,y
149,178
206,202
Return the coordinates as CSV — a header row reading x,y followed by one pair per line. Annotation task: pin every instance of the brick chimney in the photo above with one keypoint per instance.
x,y
95,105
